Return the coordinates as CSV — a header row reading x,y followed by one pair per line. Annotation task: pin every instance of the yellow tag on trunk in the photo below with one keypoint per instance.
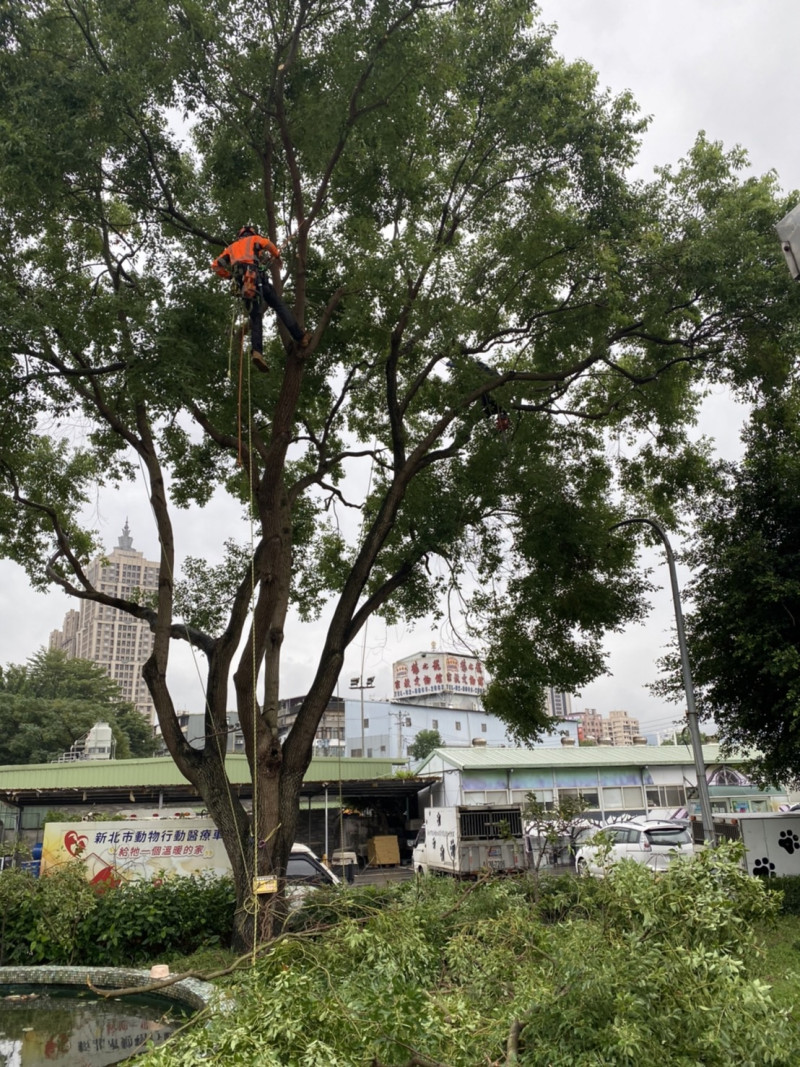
x,y
265,883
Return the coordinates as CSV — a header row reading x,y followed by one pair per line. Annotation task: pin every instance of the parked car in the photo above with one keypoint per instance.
x,y
665,815
654,844
305,872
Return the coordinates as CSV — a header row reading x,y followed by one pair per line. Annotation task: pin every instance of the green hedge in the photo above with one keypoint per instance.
x,y
790,887
61,919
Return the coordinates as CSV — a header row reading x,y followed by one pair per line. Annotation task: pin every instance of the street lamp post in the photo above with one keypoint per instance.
x,y
789,233
691,710
359,683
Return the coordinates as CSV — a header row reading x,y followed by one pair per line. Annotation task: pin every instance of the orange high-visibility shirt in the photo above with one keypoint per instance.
x,y
244,250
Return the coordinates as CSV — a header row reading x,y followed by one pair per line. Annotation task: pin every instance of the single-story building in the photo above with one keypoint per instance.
x,y
343,802
347,801
613,780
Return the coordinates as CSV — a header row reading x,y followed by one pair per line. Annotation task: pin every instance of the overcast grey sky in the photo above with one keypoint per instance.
x,y
724,66
727,67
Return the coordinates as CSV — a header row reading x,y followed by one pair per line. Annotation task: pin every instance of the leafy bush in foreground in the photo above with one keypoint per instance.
x,y
61,919
143,921
641,970
788,889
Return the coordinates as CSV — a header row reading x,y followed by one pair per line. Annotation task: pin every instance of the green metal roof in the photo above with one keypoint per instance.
x,y
84,774
147,781
570,756
146,778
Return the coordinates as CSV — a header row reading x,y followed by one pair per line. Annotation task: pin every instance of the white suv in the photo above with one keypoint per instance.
x,y
654,844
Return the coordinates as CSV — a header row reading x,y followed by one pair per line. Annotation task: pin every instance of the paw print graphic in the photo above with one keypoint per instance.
x,y
763,868
789,840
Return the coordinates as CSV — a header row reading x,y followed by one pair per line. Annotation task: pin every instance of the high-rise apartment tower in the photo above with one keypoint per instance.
x,y
113,640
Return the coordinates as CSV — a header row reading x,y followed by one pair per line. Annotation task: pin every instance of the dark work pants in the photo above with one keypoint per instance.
x,y
267,294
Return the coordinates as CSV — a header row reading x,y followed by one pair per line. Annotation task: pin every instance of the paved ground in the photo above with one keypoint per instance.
x,y
383,875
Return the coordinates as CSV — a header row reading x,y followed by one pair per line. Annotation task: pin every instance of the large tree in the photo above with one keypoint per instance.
x,y
743,625
424,743
489,296
51,701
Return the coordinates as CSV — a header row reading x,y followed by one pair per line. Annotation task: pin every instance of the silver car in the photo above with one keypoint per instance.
x,y
653,844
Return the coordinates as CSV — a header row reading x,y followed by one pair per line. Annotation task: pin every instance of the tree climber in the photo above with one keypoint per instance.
x,y
242,260
492,411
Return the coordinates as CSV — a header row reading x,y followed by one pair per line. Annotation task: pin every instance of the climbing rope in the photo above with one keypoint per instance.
x,y
251,903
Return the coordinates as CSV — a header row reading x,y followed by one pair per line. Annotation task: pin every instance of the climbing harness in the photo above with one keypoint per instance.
x,y
249,283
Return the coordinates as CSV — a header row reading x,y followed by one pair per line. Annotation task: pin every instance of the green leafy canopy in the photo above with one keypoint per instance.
x,y
460,236
743,626
51,701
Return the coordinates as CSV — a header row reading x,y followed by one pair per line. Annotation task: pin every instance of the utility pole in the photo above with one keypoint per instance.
x,y
400,715
691,711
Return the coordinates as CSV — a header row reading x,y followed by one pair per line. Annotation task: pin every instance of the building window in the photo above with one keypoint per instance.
x,y
355,753
483,727
629,796
434,724
589,796
544,796
458,726
666,796
365,723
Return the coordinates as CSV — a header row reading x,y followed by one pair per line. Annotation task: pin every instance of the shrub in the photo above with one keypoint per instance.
x,y
62,919
642,969
41,917
788,892
17,890
142,921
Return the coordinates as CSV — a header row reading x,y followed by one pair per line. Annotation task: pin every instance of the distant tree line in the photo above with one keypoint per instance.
x,y
50,702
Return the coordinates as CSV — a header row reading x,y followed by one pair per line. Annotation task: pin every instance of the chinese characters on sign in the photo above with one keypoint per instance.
x,y
117,852
438,673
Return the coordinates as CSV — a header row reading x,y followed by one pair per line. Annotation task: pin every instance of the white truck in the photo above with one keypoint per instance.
x,y
464,841
771,840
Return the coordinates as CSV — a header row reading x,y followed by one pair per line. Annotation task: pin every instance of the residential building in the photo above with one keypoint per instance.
x,y
329,739
618,729
330,736
559,705
594,725
622,728
113,640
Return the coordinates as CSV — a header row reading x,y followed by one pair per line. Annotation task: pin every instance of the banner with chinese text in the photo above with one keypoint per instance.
x,y
120,851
